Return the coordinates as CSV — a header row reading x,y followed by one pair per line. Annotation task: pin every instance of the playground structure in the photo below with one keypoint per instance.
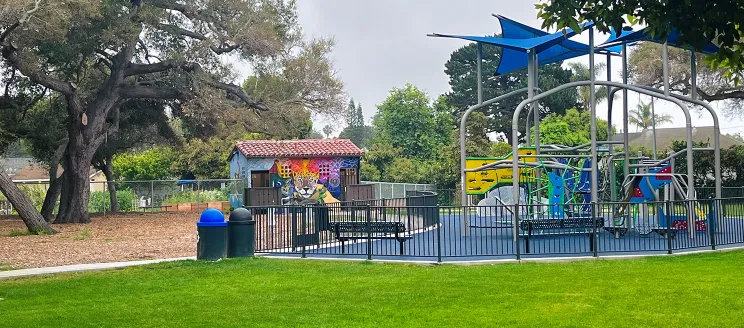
x,y
550,183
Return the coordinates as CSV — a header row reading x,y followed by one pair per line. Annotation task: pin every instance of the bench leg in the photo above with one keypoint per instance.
x,y
527,240
343,249
401,246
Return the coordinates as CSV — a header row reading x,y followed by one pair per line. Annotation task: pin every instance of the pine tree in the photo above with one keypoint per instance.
x,y
359,116
351,113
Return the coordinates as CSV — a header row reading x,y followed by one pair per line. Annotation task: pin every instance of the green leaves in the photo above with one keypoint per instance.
x,y
153,164
697,22
571,129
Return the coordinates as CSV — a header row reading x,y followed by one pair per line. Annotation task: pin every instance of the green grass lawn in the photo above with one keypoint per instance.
x,y
692,290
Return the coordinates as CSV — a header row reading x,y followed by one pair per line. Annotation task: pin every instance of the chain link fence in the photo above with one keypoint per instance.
x,y
388,190
153,195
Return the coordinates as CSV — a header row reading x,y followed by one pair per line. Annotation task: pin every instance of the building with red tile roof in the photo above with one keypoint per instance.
x,y
300,168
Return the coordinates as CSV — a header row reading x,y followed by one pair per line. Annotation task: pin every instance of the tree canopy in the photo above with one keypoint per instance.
x,y
571,129
93,57
407,120
645,68
356,130
697,22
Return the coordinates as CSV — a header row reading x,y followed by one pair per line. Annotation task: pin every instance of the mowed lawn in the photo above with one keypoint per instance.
x,y
681,291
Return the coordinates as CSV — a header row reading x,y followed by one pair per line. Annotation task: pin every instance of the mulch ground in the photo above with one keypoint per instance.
x,y
111,238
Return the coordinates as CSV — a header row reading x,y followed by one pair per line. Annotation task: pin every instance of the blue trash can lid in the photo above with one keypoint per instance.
x,y
211,217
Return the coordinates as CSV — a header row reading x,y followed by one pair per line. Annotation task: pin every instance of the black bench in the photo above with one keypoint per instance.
x,y
570,225
344,231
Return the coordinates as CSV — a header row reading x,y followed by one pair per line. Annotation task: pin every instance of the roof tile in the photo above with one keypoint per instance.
x,y
298,148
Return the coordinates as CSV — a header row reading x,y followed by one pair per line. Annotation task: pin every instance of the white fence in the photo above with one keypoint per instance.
x,y
389,190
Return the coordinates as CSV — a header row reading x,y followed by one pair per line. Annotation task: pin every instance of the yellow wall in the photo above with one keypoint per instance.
x,y
483,181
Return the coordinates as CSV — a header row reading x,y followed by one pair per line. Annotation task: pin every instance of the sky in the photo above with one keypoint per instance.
x,y
382,44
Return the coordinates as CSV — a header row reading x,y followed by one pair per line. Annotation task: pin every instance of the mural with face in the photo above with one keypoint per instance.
x,y
302,180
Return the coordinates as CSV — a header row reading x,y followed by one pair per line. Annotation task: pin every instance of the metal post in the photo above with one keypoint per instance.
x,y
613,179
653,125
593,126
665,57
515,223
479,78
528,133
693,75
626,148
669,209
594,240
303,228
369,233
439,235
536,114
711,224
152,191
105,196
530,87
535,106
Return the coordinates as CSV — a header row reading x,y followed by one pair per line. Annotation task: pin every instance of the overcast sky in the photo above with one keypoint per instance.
x,y
383,44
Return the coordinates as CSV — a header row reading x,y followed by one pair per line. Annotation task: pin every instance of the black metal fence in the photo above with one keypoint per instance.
x,y
417,228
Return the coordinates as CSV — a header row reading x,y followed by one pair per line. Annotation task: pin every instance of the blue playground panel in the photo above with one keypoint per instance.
x,y
496,241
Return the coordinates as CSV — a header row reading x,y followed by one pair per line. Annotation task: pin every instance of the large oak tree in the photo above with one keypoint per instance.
x,y
98,55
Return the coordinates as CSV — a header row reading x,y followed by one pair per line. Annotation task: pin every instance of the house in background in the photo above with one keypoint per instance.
x,y
27,171
666,136
302,169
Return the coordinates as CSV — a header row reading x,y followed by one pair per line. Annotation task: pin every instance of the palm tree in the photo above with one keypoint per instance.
x,y
641,117
581,73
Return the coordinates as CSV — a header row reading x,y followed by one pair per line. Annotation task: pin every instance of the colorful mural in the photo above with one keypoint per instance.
x,y
304,179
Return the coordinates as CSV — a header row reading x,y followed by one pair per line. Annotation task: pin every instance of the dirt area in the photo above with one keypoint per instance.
x,y
112,238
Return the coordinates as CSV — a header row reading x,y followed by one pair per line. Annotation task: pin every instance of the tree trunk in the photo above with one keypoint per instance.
x,y
30,216
50,200
108,170
73,206
55,184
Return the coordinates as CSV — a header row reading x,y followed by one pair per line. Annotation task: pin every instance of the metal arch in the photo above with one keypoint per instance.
x,y
463,132
716,132
515,136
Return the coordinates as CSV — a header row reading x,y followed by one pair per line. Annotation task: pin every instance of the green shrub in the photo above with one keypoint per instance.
x,y
35,193
191,196
100,202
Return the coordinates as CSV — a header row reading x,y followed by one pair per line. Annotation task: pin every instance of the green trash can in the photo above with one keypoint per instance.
x,y
241,233
212,236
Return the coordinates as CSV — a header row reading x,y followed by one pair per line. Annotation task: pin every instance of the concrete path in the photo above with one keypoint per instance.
x,y
82,267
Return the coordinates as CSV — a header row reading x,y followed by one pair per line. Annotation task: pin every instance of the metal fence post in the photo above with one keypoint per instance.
x,y
516,231
712,223
105,197
384,210
669,208
439,235
593,242
369,233
303,229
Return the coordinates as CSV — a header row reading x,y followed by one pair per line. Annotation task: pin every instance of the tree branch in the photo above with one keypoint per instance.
x,y
34,73
222,49
139,69
148,92
721,95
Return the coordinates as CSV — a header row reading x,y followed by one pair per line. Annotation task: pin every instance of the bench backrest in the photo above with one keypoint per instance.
x,y
375,227
567,223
